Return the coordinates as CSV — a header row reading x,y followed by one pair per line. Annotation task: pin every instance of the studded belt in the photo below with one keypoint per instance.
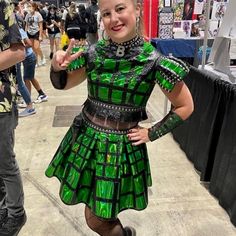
x,y
114,112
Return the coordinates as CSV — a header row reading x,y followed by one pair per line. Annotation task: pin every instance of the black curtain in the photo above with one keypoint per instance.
x,y
223,180
208,137
198,136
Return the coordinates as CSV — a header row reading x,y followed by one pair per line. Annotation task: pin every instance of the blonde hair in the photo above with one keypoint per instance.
x,y
72,10
140,24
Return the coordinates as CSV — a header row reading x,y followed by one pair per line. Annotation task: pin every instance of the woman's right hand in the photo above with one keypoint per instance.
x,y
62,59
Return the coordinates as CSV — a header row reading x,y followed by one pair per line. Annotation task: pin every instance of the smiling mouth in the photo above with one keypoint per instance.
x,y
117,28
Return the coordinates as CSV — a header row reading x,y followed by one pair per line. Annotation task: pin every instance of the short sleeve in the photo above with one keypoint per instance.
x,y
40,18
169,71
9,32
80,61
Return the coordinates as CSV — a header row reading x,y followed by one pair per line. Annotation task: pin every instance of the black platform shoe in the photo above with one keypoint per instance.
x,y
13,225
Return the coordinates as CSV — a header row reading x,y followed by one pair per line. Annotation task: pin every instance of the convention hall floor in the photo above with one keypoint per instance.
x,y
179,205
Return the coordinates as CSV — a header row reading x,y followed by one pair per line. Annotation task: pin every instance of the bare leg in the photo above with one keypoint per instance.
x,y
34,49
57,43
36,84
103,227
52,44
37,49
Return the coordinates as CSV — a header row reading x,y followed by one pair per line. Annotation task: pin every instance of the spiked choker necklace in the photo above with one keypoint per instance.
x,y
121,47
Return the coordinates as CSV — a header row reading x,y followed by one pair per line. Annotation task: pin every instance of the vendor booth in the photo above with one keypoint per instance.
x,y
208,137
174,25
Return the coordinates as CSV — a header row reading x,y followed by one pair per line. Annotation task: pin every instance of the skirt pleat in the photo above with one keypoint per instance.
x,y
104,171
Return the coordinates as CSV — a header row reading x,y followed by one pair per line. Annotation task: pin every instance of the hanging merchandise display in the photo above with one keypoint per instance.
x,y
166,21
187,18
198,6
178,8
218,10
188,9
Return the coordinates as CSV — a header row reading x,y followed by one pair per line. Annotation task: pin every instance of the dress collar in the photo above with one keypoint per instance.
x,y
121,48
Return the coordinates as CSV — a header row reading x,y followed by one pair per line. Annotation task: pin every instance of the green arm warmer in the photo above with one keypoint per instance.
x,y
168,123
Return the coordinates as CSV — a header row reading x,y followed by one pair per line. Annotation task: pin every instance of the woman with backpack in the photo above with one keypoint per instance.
x,y
75,25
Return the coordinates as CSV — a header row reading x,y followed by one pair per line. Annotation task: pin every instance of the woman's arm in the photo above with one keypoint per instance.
x,y
182,102
64,80
11,56
181,99
60,78
26,26
40,30
57,24
27,42
75,78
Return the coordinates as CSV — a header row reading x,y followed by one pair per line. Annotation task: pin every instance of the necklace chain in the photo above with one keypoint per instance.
x,y
121,47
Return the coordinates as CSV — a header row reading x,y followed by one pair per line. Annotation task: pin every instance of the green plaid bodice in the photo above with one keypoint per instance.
x,y
128,80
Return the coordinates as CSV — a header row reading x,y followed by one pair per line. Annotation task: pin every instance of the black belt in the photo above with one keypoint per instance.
x,y
114,112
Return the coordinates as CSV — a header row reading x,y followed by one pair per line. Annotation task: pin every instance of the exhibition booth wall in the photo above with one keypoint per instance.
x,y
208,137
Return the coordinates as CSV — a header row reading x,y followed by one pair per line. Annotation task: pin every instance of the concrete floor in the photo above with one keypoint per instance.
x,y
179,204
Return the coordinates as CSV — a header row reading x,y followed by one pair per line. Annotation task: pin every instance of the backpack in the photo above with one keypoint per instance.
x,y
92,19
43,14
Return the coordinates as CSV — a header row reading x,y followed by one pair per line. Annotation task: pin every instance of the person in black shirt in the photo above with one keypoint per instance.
x,y
53,26
83,20
44,15
91,12
75,25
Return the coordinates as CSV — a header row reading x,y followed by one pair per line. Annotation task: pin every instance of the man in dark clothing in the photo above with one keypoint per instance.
x,y
91,13
12,51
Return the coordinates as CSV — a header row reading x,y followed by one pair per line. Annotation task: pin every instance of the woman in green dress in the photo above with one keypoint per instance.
x,y
102,160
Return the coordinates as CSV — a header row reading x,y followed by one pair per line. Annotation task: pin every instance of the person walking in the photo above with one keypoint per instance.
x,y
34,29
27,103
53,26
102,160
83,23
75,25
29,68
91,15
12,212
29,65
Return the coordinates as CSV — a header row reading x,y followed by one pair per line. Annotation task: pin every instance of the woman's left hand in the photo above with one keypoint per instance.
x,y
138,135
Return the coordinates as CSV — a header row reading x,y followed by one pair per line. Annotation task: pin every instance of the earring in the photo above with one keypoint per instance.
x,y
104,36
137,25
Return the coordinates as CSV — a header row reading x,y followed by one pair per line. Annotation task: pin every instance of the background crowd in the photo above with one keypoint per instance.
x,y
41,22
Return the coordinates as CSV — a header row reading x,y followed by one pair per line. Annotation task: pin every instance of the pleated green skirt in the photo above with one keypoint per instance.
x,y
104,171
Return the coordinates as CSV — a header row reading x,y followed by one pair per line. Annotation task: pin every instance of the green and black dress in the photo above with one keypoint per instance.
x,y
97,164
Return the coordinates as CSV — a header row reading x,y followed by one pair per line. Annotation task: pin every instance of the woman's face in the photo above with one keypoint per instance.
x,y
31,9
119,18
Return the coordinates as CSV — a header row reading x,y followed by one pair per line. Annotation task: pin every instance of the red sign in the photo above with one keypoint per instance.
x,y
150,13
